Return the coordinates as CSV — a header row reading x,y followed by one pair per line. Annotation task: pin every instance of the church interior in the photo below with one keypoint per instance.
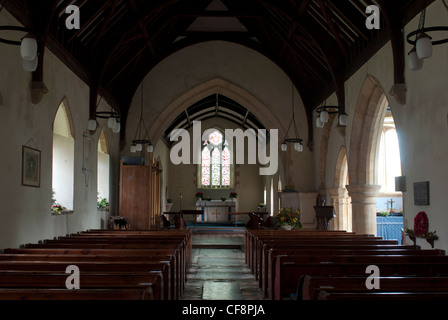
x,y
178,136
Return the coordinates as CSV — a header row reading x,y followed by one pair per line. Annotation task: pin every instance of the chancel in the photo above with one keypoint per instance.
x,y
224,150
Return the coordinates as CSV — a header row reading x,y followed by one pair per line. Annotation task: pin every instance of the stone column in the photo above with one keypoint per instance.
x,y
304,202
341,202
364,208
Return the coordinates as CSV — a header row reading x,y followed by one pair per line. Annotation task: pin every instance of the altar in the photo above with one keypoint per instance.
x,y
216,211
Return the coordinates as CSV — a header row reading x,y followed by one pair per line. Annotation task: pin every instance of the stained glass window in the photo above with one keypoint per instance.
x,y
225,174
206,167
215,165
216,138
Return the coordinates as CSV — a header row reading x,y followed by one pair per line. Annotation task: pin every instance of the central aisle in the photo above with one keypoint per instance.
x,y
218,270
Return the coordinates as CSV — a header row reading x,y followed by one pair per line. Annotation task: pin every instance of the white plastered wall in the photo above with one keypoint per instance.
x,y
26,211
421,124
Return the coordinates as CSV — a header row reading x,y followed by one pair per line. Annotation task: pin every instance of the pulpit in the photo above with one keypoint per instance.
x,y
323,215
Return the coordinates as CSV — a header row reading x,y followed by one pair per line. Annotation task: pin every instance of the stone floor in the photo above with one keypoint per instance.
x,y
218,270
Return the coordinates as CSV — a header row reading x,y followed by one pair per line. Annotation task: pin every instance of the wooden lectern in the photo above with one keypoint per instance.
x,y
324,214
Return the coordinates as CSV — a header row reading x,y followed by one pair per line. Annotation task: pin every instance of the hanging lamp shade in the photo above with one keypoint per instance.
x,y
415,63
28,48
424,46
343,119
298,147
139,147
91,125
324,116
150,148
133,148
30,65
319,123
112,122
284,147
117,128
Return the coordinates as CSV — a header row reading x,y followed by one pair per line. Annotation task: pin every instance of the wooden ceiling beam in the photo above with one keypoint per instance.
x,y
142,27
333,28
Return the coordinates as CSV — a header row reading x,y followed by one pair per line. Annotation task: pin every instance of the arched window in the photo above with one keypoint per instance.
x,y
389,165
103,172
63,160
216,162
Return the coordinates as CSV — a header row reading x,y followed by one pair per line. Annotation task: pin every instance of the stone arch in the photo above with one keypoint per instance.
x,y
215,86
367,125
63,161
365,139
68,116
339,194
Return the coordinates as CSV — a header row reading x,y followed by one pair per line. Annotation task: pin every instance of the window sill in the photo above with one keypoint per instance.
x,y
63,213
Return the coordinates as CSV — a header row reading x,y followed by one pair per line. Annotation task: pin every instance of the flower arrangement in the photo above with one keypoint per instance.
x,y
233,195
288,217
57,209
199,195
102,204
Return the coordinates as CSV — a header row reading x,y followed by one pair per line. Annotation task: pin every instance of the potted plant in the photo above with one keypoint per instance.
x,y
288,219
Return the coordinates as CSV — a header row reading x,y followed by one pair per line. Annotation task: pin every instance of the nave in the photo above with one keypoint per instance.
x,y
218,270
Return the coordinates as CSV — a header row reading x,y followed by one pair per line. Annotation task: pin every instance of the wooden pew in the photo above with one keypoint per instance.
x,y
268,267
150,283
288,274
384,296
121,246
312,286
265,245
71,295
74,255
98,267
108,252
171,285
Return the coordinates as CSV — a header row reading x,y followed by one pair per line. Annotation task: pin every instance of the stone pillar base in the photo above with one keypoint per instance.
x,y
342,208
364,208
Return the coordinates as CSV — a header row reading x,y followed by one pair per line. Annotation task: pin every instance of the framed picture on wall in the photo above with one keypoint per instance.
x,y
30,167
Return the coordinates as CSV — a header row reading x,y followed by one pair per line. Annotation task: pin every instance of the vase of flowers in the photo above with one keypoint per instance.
x,y
233,195
288,219
199,195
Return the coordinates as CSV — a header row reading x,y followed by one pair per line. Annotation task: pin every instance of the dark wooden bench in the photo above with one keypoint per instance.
x,y
288,274
112,253
122,246
171,289
384,296
310,287
85,267
71,295
268,266
152,282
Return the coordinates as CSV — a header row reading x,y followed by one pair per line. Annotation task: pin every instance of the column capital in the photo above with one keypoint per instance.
x,y
337,192
363,190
